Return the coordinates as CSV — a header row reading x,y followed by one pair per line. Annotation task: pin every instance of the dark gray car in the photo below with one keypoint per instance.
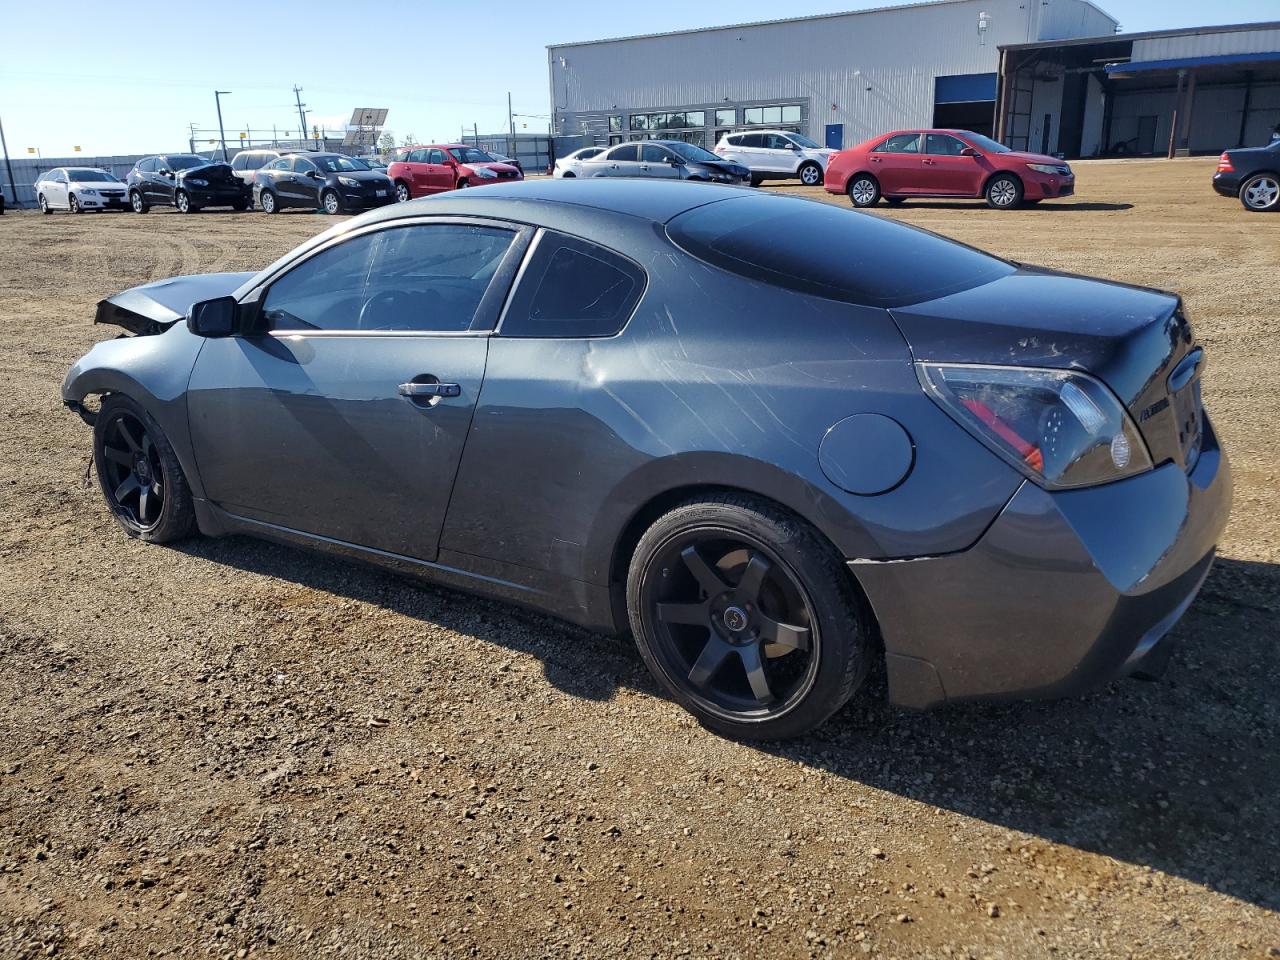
x,y
775,439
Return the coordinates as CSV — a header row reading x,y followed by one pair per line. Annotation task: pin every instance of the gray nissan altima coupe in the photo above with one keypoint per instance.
x,y
775,439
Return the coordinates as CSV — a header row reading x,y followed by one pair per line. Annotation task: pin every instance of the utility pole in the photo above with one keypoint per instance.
x,y
302,117
217,98
13,187
511,122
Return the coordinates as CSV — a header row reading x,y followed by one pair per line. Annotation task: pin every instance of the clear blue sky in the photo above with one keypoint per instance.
x,y
437,66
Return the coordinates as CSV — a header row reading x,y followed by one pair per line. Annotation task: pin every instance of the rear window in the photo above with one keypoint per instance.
x,y
824,250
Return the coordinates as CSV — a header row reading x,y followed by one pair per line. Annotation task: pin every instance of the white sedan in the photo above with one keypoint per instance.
x,y
570,166
79,189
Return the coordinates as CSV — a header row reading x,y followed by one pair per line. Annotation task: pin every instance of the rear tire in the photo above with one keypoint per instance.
x,y
1261,193
240,207
810,174
134,459
139,205
1004,192
863,190
756,181
402,193
267,200
747,617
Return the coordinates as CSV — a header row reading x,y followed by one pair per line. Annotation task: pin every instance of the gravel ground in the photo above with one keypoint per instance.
x,y
229,748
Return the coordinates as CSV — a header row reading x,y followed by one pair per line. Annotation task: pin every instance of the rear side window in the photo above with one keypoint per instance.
x,y
826,251
572,288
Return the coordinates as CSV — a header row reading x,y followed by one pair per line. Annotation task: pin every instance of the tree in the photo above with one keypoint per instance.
x,y
386,142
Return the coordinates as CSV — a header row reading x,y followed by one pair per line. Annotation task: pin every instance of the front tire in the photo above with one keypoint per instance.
x,y
331,203
1261,193
810,174
73,204
1004,192
182,201
268,202
139,473
139,205
863,190
44,205
747,617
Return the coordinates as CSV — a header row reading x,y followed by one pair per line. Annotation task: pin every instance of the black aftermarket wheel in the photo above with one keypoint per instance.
x,y
747,617
139,473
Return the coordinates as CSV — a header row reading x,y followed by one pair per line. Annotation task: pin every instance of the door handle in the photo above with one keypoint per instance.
x,y
929,162
430,390
875,159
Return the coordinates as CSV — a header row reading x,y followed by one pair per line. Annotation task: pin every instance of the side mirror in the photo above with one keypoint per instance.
x,y
214,318
165,173
313,174
968,152
793,146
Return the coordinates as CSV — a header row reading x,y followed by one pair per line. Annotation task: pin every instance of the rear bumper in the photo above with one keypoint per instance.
x,y
1064,592
1227,184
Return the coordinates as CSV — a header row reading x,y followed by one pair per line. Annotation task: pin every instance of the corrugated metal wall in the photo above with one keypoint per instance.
x,y
870,71
1207,44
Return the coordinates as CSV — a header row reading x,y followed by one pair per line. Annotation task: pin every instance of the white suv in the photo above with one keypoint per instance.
x,y
776,155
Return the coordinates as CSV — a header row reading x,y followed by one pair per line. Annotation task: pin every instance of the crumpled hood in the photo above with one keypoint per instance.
x,y
219,170
155,307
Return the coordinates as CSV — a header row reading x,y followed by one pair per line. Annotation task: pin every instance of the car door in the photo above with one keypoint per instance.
x,y
622,161
896,164
305,183
344,414
57,192
658,161
439,171
163,181
946,171
273,176
146,172
776,154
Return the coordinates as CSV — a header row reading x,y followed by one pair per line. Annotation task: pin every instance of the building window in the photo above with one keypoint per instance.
x,y
773,115
615,124
726,118
668,121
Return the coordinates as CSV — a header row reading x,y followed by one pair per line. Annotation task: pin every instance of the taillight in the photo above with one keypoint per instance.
x,y
1061,428
1224,164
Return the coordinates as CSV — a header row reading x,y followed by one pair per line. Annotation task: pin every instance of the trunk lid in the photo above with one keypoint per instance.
x,y
1136,340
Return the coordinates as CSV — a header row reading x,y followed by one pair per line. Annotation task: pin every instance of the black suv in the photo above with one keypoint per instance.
x,y
187,182
328,181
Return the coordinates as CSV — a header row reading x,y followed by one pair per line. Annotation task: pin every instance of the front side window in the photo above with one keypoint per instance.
x,y
418,278
942,145
572,288
148,165
652,153
281,164
435,156
901,143
470,155
340,164
301,165
804,141
773,141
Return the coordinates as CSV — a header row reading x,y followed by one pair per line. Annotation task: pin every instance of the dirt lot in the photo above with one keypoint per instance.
x,y
231,748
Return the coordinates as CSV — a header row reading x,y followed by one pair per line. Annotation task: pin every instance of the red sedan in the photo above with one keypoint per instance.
x,y
419,171
946,163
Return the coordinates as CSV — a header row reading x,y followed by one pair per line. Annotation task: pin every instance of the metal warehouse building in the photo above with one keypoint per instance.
x,y
1200,90
839,78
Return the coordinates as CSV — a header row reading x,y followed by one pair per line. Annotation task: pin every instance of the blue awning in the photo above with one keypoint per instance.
x,y
1187,63
964,88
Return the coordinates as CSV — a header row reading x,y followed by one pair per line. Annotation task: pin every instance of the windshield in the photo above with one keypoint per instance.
x,y
984,143
804,141
470,155
693,154
182,162
339,164
91,176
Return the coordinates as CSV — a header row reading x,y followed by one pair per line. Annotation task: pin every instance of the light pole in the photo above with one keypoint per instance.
x,y
222,136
